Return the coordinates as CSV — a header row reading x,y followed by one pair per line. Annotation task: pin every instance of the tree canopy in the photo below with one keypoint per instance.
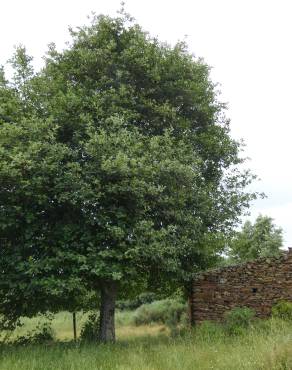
x,y
116,165
261,239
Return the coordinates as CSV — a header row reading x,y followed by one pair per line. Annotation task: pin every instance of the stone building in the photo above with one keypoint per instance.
x,y
258,284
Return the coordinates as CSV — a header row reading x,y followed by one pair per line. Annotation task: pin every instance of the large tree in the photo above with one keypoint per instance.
x,y
116,165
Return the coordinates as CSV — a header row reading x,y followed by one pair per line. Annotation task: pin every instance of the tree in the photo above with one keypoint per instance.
x,y
261,239
119,167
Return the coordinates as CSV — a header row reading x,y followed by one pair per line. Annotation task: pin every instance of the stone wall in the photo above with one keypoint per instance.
x,y
258,285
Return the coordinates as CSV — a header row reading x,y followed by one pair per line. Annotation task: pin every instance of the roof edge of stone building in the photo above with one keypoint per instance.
x,y
283,255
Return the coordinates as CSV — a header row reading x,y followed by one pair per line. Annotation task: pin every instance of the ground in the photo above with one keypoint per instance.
x,y
267,345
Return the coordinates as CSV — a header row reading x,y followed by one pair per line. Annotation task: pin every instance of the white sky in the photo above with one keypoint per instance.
x,y
248,43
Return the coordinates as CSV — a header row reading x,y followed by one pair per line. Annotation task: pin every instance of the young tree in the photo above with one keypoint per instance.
x,y
261,239
118,166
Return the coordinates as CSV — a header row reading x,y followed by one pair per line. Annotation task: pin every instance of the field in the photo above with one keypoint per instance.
x,y
267,345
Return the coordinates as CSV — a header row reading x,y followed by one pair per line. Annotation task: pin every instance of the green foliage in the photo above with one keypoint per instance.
x,y
210,348
124,318
238,319
208,331
259,240
132,304
167,311
90,329
282,310
116,165
43,333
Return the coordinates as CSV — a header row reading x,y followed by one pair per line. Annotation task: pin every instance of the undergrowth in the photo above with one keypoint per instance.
x,y
239,342
265,345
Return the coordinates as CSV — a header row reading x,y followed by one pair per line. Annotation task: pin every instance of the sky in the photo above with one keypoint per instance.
x,y
246,42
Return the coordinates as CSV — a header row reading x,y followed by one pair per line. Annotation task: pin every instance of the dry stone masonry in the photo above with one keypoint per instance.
x,y
258,285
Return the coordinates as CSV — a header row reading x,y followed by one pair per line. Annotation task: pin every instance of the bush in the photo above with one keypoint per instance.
x,y
124,318
168,311
90,329
175,315
238,319
42,334
283,310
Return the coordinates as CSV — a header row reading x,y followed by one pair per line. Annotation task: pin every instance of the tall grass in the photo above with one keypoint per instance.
x,y
267,345
62,324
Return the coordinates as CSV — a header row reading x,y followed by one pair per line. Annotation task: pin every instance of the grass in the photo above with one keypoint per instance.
x,y
63,327
266,346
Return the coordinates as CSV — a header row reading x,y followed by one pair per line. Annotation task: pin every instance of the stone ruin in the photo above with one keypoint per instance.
x,y
258,284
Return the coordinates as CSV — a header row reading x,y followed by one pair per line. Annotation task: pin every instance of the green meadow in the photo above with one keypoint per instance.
x,y
265,345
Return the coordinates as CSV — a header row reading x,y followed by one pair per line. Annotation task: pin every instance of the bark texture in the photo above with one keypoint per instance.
x,y
107,312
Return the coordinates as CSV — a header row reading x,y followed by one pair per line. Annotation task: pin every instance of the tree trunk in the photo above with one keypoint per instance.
x,y
107,311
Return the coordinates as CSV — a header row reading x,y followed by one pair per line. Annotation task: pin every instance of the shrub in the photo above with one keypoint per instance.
x,y
238,319
125,318
175,315
168,311
283,310
90,329
42,334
